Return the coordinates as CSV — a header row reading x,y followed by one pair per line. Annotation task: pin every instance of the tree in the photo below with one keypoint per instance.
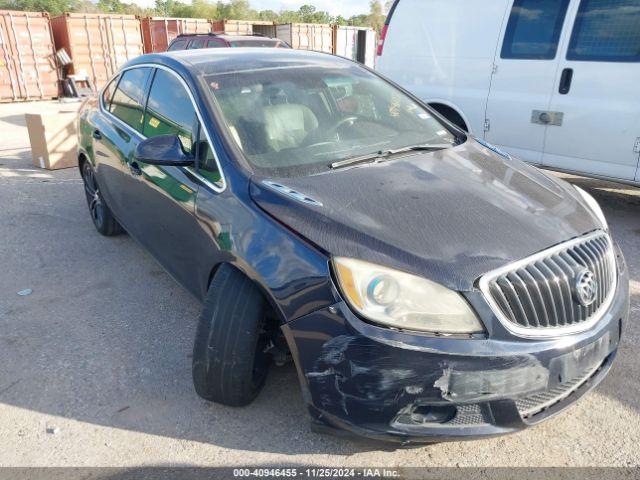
x,y
221,9
54,7
376,17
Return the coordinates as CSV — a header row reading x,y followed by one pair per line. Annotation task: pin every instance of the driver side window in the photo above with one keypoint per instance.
x,y
170,111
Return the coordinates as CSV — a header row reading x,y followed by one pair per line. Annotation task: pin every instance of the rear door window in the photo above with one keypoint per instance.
x,y
606,31
534,28
127,102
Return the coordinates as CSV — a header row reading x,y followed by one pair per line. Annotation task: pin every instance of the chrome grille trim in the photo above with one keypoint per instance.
x,y
534,297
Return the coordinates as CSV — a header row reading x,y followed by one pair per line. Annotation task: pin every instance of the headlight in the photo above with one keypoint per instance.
x,y
594,206
401,300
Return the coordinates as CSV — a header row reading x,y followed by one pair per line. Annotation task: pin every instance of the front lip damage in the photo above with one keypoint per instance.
x,y
519,376
367,381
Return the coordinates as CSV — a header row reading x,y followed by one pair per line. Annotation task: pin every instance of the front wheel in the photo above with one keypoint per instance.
x,y
230,352
101,215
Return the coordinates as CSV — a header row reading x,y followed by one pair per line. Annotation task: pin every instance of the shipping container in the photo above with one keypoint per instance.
x,y
28,69
356,43
158,32
307,36
98,44
244,27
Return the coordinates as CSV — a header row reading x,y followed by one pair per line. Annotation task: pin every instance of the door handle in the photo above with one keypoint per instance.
x,y
97,135
135,169
565,81
544,118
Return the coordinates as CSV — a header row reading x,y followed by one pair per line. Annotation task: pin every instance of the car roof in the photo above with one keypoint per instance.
x,y
230,38
228,60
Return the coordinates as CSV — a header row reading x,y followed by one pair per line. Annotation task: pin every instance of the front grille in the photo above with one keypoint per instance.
x,y
540,295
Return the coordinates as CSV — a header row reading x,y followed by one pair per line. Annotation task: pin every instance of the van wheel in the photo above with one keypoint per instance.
x,y
101,215
230,359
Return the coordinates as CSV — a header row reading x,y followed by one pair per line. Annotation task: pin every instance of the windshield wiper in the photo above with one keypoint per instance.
x,y
385,154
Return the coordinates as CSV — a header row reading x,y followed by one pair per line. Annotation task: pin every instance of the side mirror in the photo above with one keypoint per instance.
x,y
164,150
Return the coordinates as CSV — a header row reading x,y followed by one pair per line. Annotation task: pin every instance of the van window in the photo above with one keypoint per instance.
x,y
127,102
534,29
606,31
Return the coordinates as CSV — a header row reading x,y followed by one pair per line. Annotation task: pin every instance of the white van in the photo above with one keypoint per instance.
x,y
555,82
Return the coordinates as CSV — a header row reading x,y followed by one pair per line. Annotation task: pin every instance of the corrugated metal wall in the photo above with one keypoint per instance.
x,y
98,44
158,32
27,57
307,36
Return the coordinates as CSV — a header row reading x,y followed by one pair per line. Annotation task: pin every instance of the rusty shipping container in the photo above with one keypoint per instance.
x,y
158,32
244,27
98,44
28,69
307,36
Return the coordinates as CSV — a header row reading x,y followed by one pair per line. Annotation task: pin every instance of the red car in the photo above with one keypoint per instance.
x,y
211,40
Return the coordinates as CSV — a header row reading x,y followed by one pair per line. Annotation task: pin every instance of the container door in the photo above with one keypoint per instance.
x,y
524,77
597,92
9,85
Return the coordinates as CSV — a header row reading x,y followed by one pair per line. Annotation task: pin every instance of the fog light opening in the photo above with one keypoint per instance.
x,y
422,414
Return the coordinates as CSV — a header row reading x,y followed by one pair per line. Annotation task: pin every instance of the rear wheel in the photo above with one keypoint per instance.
x,y
101,216
231,356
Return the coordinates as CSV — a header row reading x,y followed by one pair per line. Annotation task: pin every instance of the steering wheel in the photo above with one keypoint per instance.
x,y
330,134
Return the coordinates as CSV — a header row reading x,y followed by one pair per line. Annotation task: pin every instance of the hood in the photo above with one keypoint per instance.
x,y
449,216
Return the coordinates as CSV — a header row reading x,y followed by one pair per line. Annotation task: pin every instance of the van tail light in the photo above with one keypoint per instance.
x,y
383,35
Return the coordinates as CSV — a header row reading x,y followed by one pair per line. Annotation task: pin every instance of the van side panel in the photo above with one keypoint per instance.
x,y
443,51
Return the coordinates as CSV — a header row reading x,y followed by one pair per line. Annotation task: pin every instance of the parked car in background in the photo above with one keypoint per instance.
x,y
192,41
426,285
555,82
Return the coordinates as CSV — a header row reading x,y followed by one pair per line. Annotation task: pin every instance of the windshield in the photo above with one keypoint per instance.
x,y
294,120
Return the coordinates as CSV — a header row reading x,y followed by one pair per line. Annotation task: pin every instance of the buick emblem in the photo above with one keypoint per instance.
x,y
586,287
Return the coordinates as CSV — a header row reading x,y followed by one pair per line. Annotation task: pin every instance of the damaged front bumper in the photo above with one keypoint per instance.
x,y
396,386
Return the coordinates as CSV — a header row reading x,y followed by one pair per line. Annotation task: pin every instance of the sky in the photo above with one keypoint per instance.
x,y
346,8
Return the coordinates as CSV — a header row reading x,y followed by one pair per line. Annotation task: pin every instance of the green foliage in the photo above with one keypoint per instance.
x,y
54,7
232,9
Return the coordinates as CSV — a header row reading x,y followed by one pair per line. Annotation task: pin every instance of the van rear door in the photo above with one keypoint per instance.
x,y
597,92
525,69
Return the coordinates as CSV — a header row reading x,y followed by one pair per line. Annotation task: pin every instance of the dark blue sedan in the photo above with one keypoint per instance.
x,y
427,285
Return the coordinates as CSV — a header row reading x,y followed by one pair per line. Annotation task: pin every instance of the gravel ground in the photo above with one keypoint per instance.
x,y
95,362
